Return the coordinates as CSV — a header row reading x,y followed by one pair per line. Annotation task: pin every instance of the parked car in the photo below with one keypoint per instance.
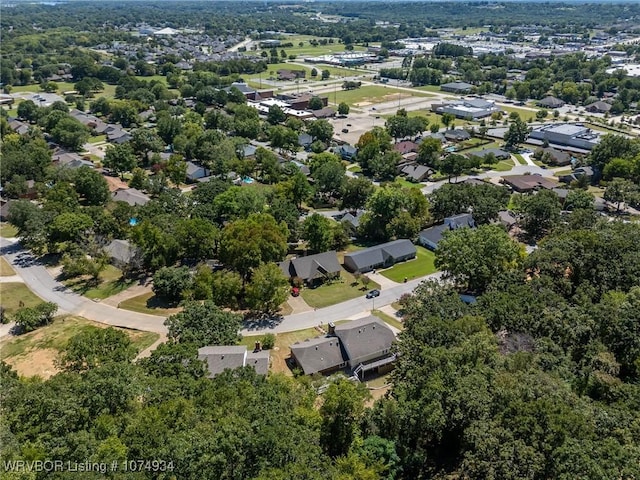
x,y
373,294
345,130
295,292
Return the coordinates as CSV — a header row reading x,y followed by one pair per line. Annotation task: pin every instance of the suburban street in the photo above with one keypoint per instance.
x,y
38,279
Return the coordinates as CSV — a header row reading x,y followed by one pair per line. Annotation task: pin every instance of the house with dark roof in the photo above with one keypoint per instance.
x,y
325,112
305,140
132,196
417,173
598,107
381,256
351,219
121,252
550,102
457,135
362,345
553,157
19,127
405,147
430,237
229,357
507,219
528,183
347,152
456,87
313,269
496,152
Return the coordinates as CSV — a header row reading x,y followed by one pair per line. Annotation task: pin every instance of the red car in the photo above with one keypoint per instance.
x,y
295,291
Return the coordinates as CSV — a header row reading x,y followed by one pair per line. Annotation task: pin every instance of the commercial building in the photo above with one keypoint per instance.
x,y
569,134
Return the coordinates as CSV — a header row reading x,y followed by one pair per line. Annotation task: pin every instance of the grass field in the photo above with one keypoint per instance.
x,y
520,159
5,268
7,230
98,139
419,267
501,166
336,292
34,353
149,303
406,183
111,282
13,293
370,94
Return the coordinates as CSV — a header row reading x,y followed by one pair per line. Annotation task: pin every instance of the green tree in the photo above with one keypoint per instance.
x,y
226,289
540,213
169,283
70,133
297,188
579,199
197,238
204,324
120,158
343,108
316,231
619,191
28,319
96,347
325,74
267,289
341,411
91,186
69,227
448,119
316,103
320,130
276,115
247,243
429,152
517,134
473,257
355,192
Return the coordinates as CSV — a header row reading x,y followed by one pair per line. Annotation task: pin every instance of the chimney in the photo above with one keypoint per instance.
x,y
258,346
332,328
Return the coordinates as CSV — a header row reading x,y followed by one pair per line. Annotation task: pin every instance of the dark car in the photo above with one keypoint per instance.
x,y
345,130
373,294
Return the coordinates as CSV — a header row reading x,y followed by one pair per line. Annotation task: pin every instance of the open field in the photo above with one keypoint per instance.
x,y
110,283
34,353
14,295
419,267
370,95
336,292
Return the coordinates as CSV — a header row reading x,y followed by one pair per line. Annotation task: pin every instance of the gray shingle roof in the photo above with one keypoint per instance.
x,y
376,255
364,337
120,250
433,234
220,358
130,195
259,361
312,266
318,354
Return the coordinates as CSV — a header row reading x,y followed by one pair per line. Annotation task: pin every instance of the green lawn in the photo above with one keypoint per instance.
x,y
98,139
501,166
5,268
148,303
520,159
355,168
111,282
419,267
406,183
394,322
336,292
7,230
370,95
524,113
34,353
14,295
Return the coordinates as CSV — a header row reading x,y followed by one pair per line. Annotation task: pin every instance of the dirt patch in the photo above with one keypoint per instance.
x,y
376,395
33,363
385,98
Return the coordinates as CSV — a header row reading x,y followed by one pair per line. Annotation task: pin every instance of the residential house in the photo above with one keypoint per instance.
x,y
577,174
4,209
528,183
352,220
430,237
326,112
550,102
196,172
347,152
313,269
380,256
457,135
363,345
229,357
496,152
598,107
417,173
121,253
305,140
456,87
132,196
19,127
553,157
507,219
405,147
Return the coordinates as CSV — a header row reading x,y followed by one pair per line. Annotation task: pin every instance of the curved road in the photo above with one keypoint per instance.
x,y
42,284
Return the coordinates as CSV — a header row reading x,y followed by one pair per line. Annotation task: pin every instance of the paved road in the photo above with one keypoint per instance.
x,y
38,279
341,311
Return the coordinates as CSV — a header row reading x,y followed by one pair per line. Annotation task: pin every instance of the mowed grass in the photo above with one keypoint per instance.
x,y
338,291
5,269
418,267
110,283
34,353
150,304
394,322
501,166
7,230
371,94
520,159
15,295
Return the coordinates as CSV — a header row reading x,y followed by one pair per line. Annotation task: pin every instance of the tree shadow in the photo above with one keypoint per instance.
x,y
261,321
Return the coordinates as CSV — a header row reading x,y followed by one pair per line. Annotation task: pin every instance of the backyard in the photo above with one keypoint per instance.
x,y
419,267
337,291
34,353
16,295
